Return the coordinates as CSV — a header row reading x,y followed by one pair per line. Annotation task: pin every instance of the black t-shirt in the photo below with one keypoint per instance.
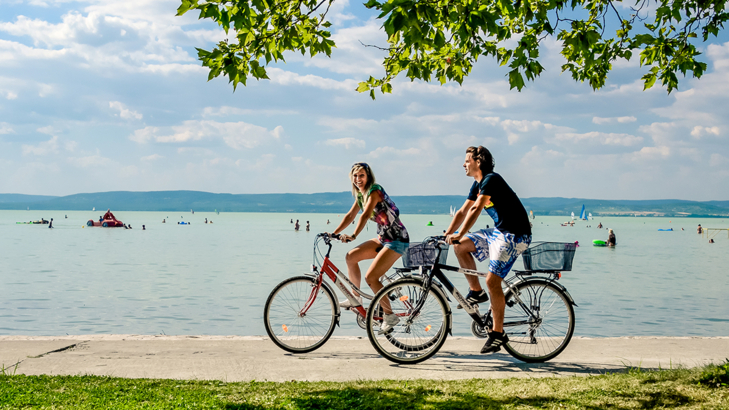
x,y
505,208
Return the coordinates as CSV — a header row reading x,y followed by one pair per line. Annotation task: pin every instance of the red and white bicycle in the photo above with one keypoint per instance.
x,y
301,312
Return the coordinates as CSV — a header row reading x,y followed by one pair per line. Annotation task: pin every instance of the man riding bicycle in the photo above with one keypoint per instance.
x,y
502,244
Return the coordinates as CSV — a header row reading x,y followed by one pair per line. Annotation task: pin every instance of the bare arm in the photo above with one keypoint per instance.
x,y
348,218
473,213
369,206
458,217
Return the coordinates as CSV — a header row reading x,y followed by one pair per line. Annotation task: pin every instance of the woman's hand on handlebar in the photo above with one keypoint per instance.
x,y
346,238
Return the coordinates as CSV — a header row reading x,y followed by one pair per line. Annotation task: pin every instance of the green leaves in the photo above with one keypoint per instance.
x,y
264,30
442,39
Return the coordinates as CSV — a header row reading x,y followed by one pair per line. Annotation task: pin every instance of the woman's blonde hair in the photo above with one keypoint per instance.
x,y
370,178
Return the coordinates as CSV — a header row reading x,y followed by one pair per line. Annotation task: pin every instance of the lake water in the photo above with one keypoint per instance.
x,y
213,279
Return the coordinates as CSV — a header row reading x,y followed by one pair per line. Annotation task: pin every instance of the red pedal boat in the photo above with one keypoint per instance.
x,y
107,221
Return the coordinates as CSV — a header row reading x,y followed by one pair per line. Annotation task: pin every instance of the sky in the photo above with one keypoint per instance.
x,y
108,95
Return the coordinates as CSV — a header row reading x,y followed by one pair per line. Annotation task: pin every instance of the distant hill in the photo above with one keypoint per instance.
x,y
13,198
340,202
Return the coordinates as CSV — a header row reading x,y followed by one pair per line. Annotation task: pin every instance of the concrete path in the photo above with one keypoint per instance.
x,y
257,358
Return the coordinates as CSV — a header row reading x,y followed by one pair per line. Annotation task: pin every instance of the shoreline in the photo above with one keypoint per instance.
x,y
132,337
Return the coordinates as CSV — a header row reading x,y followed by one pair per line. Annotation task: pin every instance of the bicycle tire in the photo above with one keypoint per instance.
x,y
547,336
287,328
414,343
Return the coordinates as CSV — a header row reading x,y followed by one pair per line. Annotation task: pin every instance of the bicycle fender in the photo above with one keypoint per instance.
x,y
338,313
552,282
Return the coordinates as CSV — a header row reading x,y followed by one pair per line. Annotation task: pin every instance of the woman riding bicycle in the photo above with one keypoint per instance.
x,y
392,237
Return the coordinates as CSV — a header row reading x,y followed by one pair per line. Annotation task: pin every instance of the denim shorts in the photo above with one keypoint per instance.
x,y
397,246
501,248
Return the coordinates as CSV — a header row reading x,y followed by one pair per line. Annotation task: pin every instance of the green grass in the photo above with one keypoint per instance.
x,y
634,389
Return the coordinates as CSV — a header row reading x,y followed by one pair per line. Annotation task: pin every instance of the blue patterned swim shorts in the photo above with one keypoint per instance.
x,y
501,248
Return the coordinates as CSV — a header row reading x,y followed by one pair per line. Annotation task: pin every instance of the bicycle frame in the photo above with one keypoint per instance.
x,y
328,269
436,271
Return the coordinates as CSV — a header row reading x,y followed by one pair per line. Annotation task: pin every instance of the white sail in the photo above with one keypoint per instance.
x,y
589,216
573,216
453,211
94,209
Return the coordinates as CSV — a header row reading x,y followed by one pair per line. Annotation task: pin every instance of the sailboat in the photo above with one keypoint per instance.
x,y
453,211
589,216
94,209
573,216
582,213
531,214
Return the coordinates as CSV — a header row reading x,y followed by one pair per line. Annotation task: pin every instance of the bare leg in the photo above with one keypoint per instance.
x,y
498,304
365,250
382,263
466,261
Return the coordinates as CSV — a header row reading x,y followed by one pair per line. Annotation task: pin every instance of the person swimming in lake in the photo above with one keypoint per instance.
x,y
307,226
50,224
296,226
699,230
391,243
611,238
599,226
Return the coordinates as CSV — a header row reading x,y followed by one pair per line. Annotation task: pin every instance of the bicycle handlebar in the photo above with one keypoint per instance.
x,y
440,240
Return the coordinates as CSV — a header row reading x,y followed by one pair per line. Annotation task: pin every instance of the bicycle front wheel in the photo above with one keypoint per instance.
x,y
539,323
420,333
291,325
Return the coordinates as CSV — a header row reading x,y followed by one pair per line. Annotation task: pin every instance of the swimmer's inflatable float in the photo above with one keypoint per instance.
x,y
430,223
42,221
183,223
598,242
666,230
107,221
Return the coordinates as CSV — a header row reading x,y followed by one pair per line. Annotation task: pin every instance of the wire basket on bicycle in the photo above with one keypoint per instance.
x,y
423,254
549,256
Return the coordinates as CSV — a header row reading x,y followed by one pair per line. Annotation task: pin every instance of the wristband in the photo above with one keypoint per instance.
x,y
354,236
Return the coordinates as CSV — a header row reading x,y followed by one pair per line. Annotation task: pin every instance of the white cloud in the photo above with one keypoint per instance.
x,y
281,77
717,160
700,131
42,148
651,153
237,135
348,142
611,120
5,128
152,157
124,112
347,124
602,138
47,130
89,161
229,111
391,151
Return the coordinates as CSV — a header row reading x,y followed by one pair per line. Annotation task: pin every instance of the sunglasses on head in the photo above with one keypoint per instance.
x,y
361,164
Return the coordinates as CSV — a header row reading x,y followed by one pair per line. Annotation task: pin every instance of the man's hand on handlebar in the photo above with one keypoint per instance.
x,y
453,239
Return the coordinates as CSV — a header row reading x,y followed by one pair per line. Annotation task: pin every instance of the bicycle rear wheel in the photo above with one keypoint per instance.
x,y
542,327
420,334
289,326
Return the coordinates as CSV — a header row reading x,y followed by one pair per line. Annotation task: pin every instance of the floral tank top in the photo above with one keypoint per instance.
x,y
387,217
